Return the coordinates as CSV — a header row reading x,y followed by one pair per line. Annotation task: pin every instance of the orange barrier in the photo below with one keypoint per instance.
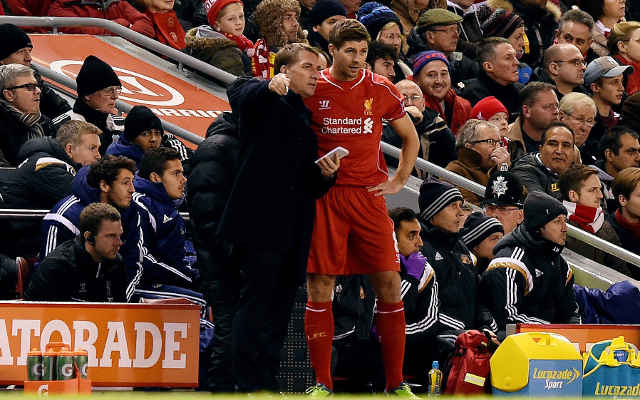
x,y
585,336
169,97
127,344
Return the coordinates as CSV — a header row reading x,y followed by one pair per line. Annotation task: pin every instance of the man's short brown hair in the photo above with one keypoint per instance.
x,y
288,55
573,179
92,216
625,182
73,131
348,30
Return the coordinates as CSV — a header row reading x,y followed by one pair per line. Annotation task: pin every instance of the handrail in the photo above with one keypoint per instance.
x,y
476,188
58,22
26,214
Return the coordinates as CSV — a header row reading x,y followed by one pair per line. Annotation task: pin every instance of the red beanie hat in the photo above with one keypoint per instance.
x,y
487,108
214,7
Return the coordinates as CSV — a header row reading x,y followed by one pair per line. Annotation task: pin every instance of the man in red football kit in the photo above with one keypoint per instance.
x,y
352,232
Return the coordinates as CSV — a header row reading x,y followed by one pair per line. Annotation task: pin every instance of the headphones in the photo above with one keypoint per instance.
x,y
91,239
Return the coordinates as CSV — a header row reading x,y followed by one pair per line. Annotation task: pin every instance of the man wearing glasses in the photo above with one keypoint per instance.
x,y
98,90
564,67
503,200
20,117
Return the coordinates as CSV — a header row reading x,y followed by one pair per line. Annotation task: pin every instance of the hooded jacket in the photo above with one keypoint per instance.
x,y
69,273
121,147
214,48
536,177
485,86
527,283
43,177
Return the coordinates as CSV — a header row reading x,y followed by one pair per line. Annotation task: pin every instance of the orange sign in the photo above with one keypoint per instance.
x,y
585,336
128,344
169,97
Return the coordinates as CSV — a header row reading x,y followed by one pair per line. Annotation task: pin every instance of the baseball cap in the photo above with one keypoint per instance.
x,y
604,66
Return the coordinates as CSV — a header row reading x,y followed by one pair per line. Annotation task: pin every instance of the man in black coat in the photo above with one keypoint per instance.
x,y
87,268
270,211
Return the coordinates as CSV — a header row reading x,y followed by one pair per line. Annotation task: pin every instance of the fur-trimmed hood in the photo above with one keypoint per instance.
x,y
268,16
507,5
204,37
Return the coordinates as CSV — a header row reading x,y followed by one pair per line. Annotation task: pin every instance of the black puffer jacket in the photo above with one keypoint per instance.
x,y
485,86
536,177
13,134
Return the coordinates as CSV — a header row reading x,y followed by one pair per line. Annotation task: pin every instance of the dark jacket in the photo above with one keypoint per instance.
x,y
609,202
121,147
13,134
420,299
272,203
526,282
470,32
353,307
628,242
543,76
536,177
485,86
70,274
43,177
190,13
51,103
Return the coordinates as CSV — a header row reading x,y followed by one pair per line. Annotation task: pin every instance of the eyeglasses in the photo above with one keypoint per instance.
x,y
576,62
110,91
391,37
405,99
503,210
587,122
448,31
29,86
490,142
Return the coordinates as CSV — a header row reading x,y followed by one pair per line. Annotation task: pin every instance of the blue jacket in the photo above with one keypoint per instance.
x,y
61,224
120,147
163,230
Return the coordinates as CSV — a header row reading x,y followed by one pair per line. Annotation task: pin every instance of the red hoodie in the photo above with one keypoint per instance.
x,y
461,109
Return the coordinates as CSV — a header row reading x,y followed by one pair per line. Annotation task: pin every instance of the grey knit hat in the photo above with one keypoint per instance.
x,y
540,209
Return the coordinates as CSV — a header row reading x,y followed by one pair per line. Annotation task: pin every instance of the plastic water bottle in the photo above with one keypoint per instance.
x,y
435,379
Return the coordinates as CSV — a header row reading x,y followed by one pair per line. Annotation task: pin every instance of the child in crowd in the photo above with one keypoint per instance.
x,y
221,43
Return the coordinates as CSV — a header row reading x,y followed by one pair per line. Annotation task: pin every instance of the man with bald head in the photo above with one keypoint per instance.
x,y
564,67
437,143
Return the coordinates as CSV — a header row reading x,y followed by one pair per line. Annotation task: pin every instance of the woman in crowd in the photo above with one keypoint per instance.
x,y
165,22
624,44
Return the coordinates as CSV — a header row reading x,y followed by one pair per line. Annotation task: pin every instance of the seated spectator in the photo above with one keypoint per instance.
x,y
409,11
16,49
221,42
578,112
630,115
604,80
626,220
480,152
191,13
539,172
381,59
498,75
503,199
431,71
606,14
87,268
576,28
143,131
481,234
470,31
278,23
437,143
458,279
98,89
119,11
160,187
509,25
164,20
540,21
582,193
492,110
622,42
323,15
437,30
528,281
538,109
564,67
20,116
48,165
621,150
27,8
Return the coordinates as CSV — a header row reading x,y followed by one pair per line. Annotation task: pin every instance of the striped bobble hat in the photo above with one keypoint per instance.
x,y
501,23
435,195
477,228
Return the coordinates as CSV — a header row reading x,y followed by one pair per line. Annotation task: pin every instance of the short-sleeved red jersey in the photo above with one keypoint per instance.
x,y
349,114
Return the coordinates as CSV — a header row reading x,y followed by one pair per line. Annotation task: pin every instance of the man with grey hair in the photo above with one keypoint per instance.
x,y
48,166
578,112
20,117
564,67
480,153
576,28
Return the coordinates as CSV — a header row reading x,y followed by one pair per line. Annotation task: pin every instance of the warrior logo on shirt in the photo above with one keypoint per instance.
x,y
324,105
367,107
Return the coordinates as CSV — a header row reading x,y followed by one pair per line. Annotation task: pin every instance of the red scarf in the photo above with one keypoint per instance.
x,y
242,42
633,80
631,227
262,61
588,218
168,29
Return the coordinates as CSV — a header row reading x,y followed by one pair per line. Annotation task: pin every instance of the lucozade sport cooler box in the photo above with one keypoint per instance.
x,y
538,364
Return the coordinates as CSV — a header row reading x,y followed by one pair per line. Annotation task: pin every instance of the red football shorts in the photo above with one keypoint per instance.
x,y
352,234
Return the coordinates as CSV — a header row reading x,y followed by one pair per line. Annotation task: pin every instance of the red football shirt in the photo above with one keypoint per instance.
x,y
349,114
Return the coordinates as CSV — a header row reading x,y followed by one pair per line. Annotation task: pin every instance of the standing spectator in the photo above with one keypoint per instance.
x,y
381,59
582,193
480,234
624,44
87,268
606,13
498,75
539,172
528,281
578,112
167,27
480,152
352,233
576,28
16,49
563,67
278,23
272,241
119,11
431,71
503,200
20,116
626,220
98,89
323,15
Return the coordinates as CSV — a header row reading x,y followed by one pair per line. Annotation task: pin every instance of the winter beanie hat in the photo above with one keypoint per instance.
x,y
213,8
324,9
487,108
477,228
540,209
501,23
95,75
377,18
13,39
435,195
140,119
425,57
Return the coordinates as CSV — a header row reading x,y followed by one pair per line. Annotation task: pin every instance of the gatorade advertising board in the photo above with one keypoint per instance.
x,y
170,98
126,344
